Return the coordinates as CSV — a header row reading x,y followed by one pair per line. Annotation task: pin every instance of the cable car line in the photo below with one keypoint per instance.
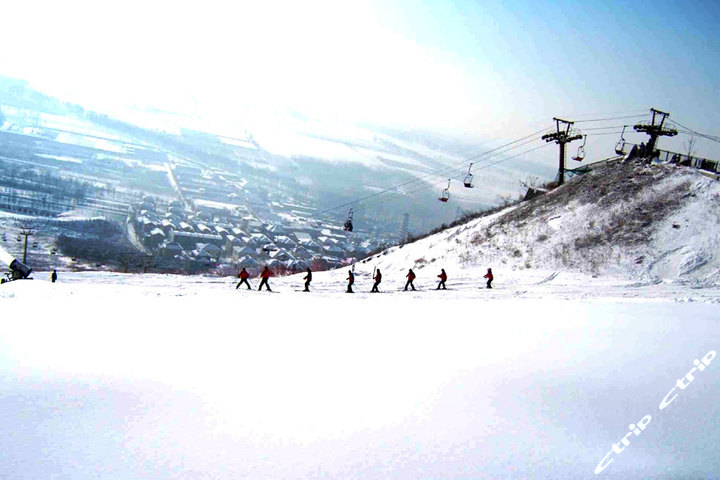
x,y
703,135
434,184
444,169
609,118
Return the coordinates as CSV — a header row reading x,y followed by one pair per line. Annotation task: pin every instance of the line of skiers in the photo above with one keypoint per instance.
x,y
377,278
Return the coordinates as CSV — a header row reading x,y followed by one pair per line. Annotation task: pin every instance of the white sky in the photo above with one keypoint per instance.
x,y
332,59
491,71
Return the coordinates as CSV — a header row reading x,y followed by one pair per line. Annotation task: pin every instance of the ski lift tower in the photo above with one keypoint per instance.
x,y
404,222
25,232
655,129
564,134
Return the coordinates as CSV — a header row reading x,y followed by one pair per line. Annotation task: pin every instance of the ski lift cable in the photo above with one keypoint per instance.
x,y
604,133
444,169
604,128
623,112
708,137
609,118
441,173
703,135
438,182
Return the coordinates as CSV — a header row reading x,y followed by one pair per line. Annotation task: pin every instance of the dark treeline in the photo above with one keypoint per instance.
x,y
44,182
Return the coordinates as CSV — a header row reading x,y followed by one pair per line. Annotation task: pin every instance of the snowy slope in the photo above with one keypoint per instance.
x,y
121,376
164,377
654,223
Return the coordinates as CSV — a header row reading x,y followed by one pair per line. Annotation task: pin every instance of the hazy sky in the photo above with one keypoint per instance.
x,y
490,69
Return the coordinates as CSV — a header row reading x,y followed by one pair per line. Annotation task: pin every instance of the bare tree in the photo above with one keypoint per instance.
x,y
505,199
690,145
530,182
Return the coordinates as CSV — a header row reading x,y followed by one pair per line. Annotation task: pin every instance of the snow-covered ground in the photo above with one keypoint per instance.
x,y
555,373
119,376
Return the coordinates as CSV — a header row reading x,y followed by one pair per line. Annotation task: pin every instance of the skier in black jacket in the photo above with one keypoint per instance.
x,y
308,279
378,279
351,280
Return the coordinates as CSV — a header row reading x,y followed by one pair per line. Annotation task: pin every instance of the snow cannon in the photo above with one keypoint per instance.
x,y
18,270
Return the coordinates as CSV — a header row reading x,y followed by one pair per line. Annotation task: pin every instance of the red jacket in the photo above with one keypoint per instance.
x,y
351,277
410,276
266,273
489,276
244,275
442,277
378,277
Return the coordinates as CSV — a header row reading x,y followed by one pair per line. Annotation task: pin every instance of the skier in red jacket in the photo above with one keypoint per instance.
x,y
410,277
243,276
490,277
443,278
378,279
351,280
265,275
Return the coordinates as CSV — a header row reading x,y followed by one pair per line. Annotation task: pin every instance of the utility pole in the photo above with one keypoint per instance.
x,y
655,129
26,232
561,137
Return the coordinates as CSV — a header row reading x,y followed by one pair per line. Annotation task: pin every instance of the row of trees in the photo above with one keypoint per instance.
x,y
45,183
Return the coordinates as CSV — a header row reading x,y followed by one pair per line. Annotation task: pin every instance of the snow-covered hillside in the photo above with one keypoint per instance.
x,y
650,223
545,376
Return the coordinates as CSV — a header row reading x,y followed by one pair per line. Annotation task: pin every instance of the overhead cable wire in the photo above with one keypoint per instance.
x,y
438,171
487,154
609,118
703,135
604,128
420,179
442,181
623,112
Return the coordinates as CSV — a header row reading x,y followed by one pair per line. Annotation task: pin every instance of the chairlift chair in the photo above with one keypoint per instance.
x,y
620,147
348,222
581,150
445,193
468,178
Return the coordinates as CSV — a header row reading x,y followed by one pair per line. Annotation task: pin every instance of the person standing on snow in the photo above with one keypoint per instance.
x,y
53,277
378,279
265,275
490,277
410,277
308,279
351,280
243,276
443,278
